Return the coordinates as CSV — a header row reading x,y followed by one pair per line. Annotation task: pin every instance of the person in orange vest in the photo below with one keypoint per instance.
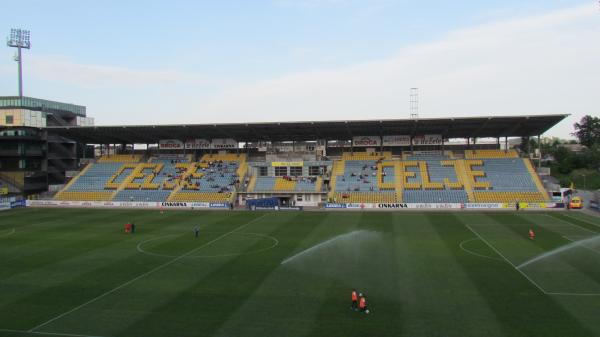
x,y
354,305
362,303
531,234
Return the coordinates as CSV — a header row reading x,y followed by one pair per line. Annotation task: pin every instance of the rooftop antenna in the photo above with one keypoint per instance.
x,y
19,38
414,103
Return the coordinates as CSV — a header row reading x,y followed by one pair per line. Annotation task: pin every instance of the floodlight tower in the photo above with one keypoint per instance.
x,y
414,103
19,38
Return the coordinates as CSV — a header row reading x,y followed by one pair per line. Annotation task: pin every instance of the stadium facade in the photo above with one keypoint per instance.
x,y
32,157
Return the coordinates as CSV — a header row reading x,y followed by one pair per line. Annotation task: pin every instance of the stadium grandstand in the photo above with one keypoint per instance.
x,y
309,163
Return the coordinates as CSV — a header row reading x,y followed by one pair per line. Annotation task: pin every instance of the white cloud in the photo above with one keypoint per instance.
x,y
93,76
530,65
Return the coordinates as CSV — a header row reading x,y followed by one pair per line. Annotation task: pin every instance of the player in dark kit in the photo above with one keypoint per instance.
x,y
196,231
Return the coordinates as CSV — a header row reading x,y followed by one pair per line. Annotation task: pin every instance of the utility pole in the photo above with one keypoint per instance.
x,y
414,103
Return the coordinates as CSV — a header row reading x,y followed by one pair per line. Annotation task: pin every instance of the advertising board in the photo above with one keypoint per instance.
x,y
170,144
366,141
286,163
397,140
124,204
427,140
224,143
197,144
485,205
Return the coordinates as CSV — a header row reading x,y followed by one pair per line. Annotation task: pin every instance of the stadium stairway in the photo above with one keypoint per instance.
x,y
338,169
73,180
464,179
399,181
319,184
252,184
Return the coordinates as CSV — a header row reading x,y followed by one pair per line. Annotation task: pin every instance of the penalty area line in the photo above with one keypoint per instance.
x,y
582,220
42,333
507,260
570,223
166,264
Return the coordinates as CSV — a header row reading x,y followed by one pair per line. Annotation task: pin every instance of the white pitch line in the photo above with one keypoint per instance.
x,y
48,333
276,242
9,233
574,294
582,220
168,263
507,260
475,253
572,224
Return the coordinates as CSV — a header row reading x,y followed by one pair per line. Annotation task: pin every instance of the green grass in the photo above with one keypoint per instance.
x,y
70,272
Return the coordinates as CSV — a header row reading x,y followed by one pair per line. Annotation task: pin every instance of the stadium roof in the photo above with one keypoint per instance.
x,y
481,127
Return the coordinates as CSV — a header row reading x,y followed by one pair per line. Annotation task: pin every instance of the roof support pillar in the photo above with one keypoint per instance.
x,y
505,143
540,148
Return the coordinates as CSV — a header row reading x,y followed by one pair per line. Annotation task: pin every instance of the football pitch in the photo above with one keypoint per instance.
x,y
75,273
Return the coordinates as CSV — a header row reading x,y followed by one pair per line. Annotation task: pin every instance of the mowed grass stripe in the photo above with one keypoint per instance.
x,y
589,226
456,280
579,265
81,280
293,293
220,293
69,238
575,265
76,256
513,298
372,270
40,238
419,281
147,273
592,217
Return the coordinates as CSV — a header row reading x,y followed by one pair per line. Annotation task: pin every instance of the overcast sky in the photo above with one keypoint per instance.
x,y
141,62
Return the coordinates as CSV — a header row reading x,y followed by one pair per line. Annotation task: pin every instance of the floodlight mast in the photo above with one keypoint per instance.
x,y
19,38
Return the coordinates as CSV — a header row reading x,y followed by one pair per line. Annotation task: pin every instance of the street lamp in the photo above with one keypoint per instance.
x,y
19,38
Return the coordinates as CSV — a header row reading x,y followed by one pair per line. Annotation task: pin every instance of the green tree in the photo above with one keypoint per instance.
x,y
587,130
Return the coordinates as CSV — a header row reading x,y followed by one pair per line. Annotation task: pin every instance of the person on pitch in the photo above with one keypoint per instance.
x,y
362,303
354,305
531,234
196,231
